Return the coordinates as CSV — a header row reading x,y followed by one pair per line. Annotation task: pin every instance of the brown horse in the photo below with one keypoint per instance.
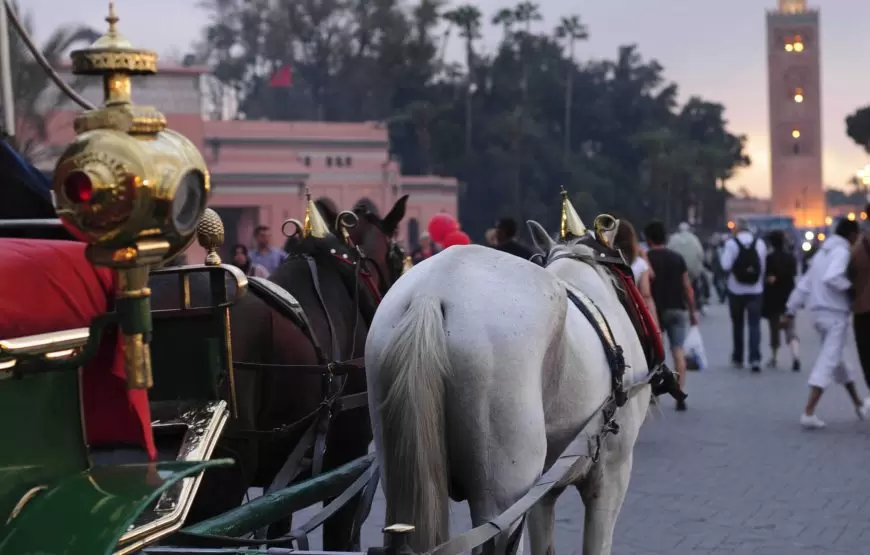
x,y
280,396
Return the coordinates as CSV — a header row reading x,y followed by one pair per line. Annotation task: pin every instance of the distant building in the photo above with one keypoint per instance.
x,y
793,46
745,205
260,169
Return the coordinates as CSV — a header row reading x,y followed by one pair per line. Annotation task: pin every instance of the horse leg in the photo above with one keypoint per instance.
x,y
603,492
541,525
348,439
504,474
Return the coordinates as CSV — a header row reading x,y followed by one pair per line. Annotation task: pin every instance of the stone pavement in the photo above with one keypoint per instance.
x,y
735,474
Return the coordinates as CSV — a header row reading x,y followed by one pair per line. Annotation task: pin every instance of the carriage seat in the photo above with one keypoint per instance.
x,y
50,286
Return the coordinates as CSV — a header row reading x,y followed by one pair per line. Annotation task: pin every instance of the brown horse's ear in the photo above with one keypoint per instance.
x,y
392,220
327,210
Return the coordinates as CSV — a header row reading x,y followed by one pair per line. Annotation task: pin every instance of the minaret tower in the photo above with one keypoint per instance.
x,y
795,105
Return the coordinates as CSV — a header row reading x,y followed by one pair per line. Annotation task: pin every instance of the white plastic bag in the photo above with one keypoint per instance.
x,y
696,357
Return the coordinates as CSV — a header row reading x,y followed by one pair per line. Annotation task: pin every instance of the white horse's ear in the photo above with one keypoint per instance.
x,y
540,236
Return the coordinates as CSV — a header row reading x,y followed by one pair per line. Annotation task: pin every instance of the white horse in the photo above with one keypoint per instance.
x,y
480,373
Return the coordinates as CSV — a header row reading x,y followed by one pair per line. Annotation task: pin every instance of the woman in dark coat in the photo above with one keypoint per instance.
x,y
780,281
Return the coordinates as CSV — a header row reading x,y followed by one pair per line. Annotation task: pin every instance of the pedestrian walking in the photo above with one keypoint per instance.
x,y
506,235
780,274
826,291
264,253
626,242
242,260
685,243
859,275
743,259
425,249
673,296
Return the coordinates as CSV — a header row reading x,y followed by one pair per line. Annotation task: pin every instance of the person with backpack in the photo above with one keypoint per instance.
x,y
743,259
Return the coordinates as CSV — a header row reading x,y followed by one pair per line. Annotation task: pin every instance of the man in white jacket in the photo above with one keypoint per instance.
x,y
825,290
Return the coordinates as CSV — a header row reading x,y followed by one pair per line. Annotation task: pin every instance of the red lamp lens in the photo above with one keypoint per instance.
x,y
78,187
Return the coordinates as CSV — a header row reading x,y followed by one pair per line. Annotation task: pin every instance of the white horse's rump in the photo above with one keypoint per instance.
x,y
480,372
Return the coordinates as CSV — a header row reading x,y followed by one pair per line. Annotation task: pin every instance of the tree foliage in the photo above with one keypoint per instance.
x,y
34,94
858,127
515,125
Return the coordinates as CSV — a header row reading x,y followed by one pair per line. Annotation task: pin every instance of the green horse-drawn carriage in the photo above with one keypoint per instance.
x,y
117,398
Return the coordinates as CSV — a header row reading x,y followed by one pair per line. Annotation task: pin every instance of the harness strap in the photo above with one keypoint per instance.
x,y
613,351
315,279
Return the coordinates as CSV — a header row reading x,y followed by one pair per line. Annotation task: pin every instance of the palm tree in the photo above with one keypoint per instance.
x,y
507,18
467,18
36,97
571,30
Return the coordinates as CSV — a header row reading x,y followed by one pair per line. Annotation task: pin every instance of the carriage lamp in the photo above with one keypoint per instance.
x,y
128,186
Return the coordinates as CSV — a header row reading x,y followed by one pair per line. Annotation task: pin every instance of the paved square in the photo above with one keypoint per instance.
x,y
735,474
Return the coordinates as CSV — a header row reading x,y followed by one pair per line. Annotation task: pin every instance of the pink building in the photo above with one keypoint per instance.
x,y
261,169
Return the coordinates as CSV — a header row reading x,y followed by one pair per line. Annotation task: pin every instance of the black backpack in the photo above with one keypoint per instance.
x,y
747,265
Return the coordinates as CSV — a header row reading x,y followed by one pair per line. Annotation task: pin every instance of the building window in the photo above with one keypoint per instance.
x,y
798,95
794,43
796,148
329,161
348,161
307,160
339,161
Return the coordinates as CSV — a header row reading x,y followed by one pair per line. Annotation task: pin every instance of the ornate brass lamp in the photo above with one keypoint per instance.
x,y
130,187
570,224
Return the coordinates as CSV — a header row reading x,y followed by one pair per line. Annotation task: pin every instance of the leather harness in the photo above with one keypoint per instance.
x,y
334,373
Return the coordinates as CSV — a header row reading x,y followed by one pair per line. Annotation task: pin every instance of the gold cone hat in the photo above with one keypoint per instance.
x,y
570,224
314,225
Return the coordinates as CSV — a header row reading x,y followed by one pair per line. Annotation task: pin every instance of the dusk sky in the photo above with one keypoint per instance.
x,y
712,49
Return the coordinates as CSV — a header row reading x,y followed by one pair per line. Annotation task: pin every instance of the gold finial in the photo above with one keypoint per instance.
x,y
113,58
210,235
407,264
112,18
314,225
570,224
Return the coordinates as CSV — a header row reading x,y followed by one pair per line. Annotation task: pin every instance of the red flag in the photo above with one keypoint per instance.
x,y
282,78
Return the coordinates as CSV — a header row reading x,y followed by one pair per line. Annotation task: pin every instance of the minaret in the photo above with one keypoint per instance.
x,y
795,107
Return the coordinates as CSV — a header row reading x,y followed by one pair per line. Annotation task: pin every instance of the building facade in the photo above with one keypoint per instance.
x,y
794,87
261,170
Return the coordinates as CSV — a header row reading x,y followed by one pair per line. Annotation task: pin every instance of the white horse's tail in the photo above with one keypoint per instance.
x,y
413,367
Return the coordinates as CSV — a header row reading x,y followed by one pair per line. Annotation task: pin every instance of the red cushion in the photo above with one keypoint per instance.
x,y
48,286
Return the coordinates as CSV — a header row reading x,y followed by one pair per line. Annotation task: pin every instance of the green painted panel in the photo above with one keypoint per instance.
x,y
43,440
86,514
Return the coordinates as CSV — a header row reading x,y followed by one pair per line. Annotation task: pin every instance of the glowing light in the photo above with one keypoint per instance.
x,y
851,216
798,47
731,225
863,216
806,246
809,222
829,220
798,98
808,235
796,134
821,236
78,187
789,48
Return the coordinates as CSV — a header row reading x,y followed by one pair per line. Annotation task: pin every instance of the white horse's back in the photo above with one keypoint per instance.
x,y
477,369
